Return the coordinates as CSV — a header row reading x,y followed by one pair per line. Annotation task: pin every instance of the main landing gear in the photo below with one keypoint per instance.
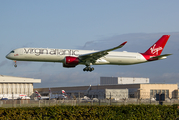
x,y
88,68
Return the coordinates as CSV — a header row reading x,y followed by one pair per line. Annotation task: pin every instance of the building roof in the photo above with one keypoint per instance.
x,y
97,87
11,79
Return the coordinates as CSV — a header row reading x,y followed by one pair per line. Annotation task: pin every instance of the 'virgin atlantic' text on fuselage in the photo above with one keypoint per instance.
x,y
40,51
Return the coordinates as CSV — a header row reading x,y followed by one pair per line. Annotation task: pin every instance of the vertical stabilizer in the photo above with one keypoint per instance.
x,y
38,94
63,92
157,48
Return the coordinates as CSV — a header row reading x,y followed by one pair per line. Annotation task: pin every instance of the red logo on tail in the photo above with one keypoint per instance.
x,y
155,50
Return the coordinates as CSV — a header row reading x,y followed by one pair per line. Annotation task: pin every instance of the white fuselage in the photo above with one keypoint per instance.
x,y
58,55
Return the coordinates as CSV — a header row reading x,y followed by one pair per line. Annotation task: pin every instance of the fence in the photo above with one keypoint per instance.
x,y
42,103
123,95
95,98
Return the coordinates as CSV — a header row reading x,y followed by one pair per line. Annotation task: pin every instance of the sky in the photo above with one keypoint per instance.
x,y
90,25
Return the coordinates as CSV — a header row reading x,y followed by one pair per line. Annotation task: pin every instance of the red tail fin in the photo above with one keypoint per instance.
x,y
63,92
157,48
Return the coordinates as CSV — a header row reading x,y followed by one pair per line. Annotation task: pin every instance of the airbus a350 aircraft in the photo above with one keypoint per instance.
x,y
71,58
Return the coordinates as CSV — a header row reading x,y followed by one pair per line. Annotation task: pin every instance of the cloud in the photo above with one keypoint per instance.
x,y
137,42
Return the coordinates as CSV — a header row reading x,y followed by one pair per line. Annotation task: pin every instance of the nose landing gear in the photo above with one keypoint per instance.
x,y
15,65
88,68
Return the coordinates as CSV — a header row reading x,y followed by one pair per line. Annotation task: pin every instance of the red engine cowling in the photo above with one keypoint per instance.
x,y
70,61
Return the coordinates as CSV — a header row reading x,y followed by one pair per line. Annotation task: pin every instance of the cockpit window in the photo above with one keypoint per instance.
x,y
12,51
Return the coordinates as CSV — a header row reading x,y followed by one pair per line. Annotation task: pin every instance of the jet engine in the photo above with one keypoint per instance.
x,y
70,61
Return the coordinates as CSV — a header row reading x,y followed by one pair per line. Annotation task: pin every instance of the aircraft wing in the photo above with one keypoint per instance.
x,y
92,57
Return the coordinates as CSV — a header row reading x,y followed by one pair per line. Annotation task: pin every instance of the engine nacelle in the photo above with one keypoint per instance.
x,y
70,61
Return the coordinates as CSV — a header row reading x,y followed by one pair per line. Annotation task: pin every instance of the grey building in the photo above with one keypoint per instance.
x,y
122,80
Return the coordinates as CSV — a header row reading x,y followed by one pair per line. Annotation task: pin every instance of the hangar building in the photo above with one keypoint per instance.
x,y
17,85
143,91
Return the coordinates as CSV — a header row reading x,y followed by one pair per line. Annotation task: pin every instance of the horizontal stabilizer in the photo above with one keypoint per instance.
x,y
160,56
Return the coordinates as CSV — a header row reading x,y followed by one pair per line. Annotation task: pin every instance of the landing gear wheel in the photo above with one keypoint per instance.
x,y
87,68
92,68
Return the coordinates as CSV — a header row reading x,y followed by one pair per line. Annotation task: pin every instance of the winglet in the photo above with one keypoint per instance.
x,y
121,45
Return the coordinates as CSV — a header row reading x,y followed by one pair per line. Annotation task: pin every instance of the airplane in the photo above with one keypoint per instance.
x,y
39,97
59,96
51,96
71,58
14,96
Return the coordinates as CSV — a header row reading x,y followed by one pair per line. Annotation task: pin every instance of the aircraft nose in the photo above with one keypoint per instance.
x,y
7,56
